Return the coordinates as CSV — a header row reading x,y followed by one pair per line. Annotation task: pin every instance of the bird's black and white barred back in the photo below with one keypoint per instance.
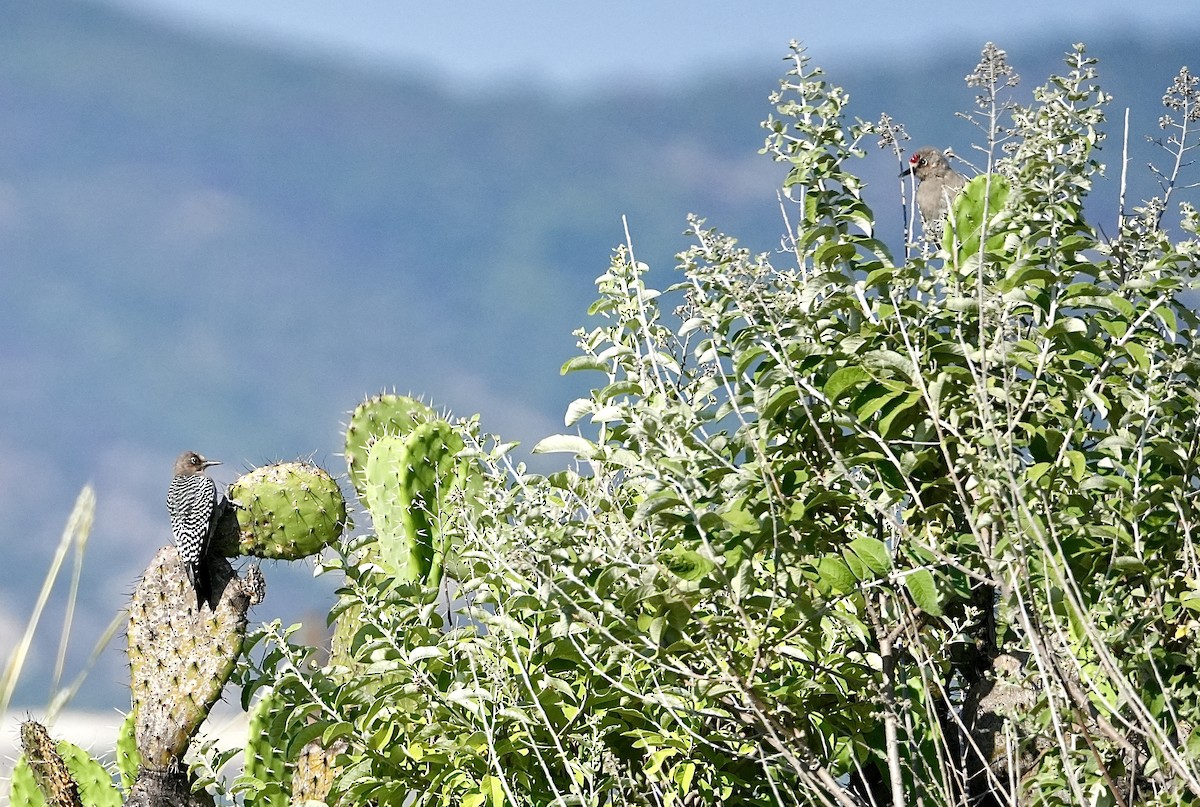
x,y
192,504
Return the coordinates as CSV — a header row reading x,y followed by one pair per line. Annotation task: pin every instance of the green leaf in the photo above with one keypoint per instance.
x,y
655,503
1167,316
583,363
304,736
900,414
832,252
1139,354
747,357
740,520
683,774
1026,274
984,196
687,564
577,409
1191,601
781,401
565,444
873,552
890,360
1126,564
658,758
494,789
923,588
873,398
880,277
1037,471
619,388
835,574
844,380
337,731
1078,464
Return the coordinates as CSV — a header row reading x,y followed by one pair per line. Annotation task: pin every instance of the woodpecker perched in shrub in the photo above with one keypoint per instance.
x,y
939,183
192,503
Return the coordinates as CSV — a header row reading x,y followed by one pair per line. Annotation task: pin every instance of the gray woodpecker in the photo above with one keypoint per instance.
x,y
192,503
939,183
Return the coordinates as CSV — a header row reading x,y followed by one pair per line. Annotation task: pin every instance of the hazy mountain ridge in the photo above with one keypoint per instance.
x,y
211,246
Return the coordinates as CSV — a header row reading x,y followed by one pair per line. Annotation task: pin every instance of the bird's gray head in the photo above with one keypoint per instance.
x,y
927,162
190,463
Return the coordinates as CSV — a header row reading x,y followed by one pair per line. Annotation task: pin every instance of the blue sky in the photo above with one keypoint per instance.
x,y
559,42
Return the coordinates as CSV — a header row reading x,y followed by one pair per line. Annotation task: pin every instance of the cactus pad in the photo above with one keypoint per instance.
x,y
52,780
59,774
180,657
265,758
377,417
287,511
129,761
316,769
408,483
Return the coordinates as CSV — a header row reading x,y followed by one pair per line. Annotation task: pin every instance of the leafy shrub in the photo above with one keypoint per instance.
x,y
843,529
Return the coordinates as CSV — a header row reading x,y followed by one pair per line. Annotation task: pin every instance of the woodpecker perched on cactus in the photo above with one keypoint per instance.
x,y
192,503
939,183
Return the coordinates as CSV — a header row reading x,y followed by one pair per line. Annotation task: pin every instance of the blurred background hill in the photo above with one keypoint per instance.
x,y
214,241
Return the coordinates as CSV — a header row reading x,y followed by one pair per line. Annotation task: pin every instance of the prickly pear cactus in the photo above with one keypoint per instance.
x,y
169,788
129,761
408,483
405,558
180,659
286,511
23,790
378,417
267,778
96,787
345,629
45,778
265,764
59,774
316,769
988,195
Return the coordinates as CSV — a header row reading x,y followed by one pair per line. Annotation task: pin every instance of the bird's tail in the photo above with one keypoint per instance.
x,y
202,583
204,588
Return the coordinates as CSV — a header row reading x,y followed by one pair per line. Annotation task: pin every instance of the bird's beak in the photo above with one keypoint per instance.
x,y
907,171
209,463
